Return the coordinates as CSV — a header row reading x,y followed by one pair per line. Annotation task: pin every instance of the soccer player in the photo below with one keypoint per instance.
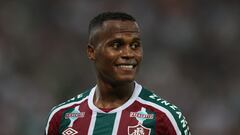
x,y
117,105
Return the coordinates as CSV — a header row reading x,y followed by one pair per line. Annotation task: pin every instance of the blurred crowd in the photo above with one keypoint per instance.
x,y
191,58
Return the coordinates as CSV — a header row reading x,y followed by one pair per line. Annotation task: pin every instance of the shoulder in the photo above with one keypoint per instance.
x,y
173,113
58,109
75,100
54,117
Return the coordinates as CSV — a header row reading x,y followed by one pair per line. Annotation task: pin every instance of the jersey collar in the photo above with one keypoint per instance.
x,y
136,92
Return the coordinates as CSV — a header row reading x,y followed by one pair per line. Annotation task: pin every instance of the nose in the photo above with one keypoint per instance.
x,y
127,52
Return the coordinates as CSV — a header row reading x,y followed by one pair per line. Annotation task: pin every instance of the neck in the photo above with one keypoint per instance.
x,y
112,96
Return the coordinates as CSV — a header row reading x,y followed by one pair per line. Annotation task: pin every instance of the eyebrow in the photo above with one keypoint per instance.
x,y
134,39
131,31
137,38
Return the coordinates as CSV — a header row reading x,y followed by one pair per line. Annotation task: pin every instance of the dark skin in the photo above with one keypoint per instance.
x,y
116,51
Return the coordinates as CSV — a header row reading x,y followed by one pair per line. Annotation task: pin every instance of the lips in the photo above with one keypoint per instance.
x,y
126,66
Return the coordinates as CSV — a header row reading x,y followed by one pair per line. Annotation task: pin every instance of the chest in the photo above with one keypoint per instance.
x,y
134,121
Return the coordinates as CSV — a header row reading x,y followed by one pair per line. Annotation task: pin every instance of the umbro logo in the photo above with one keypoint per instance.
x,y
69,131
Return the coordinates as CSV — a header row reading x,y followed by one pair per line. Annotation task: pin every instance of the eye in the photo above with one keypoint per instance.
x,y
116,44
135,45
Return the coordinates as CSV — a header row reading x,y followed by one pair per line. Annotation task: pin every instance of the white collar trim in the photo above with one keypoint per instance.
x,y
134,96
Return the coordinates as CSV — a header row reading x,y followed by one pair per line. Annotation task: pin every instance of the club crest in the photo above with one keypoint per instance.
x,y
138,130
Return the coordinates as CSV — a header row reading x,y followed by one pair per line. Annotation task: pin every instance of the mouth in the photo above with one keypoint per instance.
x,y
126,66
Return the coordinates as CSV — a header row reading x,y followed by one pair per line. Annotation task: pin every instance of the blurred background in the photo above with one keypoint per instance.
x,y
191,58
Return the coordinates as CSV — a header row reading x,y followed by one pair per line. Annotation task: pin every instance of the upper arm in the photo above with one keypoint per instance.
x,y
53,123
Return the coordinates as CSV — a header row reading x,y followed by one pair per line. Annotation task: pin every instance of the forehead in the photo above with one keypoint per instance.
x,y
115,29
118,26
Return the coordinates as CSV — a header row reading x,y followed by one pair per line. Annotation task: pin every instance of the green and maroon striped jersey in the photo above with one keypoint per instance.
x,y
144,113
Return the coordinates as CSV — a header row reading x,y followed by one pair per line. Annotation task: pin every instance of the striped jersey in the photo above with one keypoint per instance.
x,y
144,113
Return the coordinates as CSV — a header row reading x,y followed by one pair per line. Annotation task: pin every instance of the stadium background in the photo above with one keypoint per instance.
x,y
191,58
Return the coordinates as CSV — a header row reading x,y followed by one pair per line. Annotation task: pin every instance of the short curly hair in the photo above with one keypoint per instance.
x,y
105,16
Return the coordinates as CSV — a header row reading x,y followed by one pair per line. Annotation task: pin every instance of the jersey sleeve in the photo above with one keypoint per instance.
x,y
172,122
164,126
52,127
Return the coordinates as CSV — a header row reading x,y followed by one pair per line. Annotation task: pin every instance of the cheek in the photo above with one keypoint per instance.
x,y
105,57
139,56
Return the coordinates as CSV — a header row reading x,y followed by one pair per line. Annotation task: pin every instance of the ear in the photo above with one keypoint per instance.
x,y
91,52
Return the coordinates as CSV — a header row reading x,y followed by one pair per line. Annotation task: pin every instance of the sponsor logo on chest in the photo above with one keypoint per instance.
x,y
139,129
140,115
72,116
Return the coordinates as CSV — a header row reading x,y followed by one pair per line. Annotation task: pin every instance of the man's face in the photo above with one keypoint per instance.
x,y
117,53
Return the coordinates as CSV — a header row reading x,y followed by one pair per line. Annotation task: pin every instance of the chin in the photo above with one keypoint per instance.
x,y
125,79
